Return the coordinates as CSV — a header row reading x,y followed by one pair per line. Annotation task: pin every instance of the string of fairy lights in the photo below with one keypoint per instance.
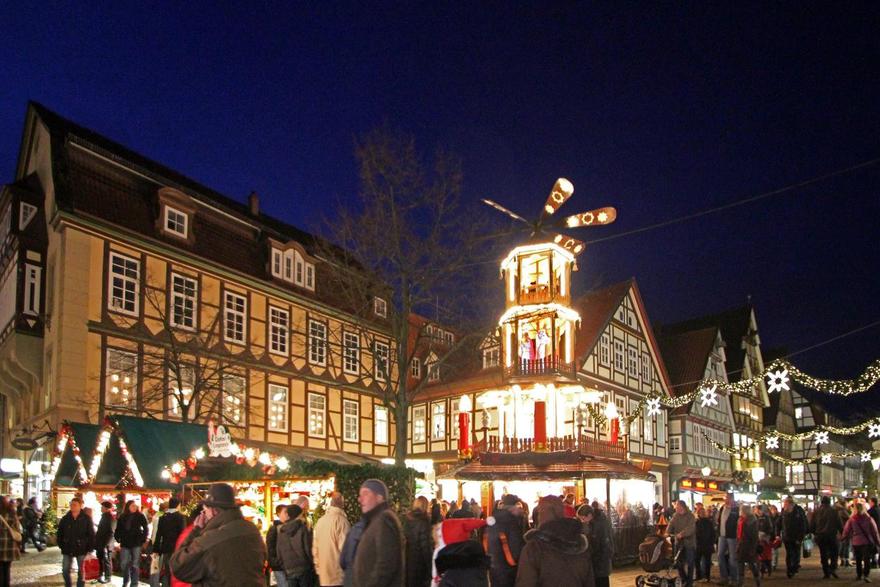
x,y
825,458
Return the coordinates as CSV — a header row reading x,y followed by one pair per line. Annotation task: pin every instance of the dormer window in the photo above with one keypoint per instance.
x,y
380,307
176,222
26,214
277,257
289,264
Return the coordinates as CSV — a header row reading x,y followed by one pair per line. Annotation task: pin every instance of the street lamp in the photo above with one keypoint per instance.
x,y
706,471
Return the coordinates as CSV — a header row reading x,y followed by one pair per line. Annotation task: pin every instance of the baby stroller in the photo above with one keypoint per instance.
x,y
657,554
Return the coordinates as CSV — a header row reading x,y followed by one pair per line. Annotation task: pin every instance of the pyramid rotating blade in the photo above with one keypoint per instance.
x,y
561,192
569,244
597,217
504,210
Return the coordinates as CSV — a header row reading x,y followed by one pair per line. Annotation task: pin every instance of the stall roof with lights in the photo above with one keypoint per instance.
x,y
84,437
545,467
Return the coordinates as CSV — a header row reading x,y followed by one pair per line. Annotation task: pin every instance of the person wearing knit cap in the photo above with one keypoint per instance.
x,y
505,541
458,559
379,555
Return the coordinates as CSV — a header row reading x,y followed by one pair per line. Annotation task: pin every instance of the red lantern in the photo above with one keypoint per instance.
x,y
464,428
540,426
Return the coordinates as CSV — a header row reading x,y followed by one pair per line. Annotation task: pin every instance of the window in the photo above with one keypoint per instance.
x,y
276,263
380,424
381,360
449,338
380,307
310,276
675,443
26,214
630,319
298,276
124,284
647,369
351,353
121,380
277,408
453,419
648,429
605,350
491,357
233,399
317,343
175,221
632,362
350,420
618,355
183,301
288,265
438,421
235,311
418,424
31,302
278,330
415,368
317,415
181,382
433,369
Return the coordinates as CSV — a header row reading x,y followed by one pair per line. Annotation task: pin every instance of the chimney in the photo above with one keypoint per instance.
x,y
254,204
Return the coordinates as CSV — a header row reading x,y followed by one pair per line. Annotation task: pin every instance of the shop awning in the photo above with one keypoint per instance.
x,y
153,444
583,469
84,436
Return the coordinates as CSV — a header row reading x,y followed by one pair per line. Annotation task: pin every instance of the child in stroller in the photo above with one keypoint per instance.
x,y
658,554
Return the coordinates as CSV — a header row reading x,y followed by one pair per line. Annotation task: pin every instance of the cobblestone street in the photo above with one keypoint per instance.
x,y
43,570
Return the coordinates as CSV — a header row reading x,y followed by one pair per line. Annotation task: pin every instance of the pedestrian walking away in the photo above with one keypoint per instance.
x,y
295,549
504,541
275,564
171,524
419,544
826,528
329,538
76,537
862,531
747,545
103,536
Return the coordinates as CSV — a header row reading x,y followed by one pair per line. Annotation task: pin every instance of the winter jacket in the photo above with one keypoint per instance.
x,y
747,540
132,530
76,535
379,559
794,524
704,533
9,550
555,555
30,518
505,539
601,544
272,547
728,529
329,537
862,530
294,548
686,525
826,522
170,526
349,549
463,564
874,512
419,549
105,531
227,552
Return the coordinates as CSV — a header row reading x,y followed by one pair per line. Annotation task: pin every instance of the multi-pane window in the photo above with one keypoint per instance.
x,y
124,284
491,357
121,379
619,355
31,302
632,363
675,443
433,369
277,408
350,420
415,368
380,425
235,311
453,420
438,421
298,277
317,415
351,353
175,221
233,399
26,214
380,357
380,307
647,368
605,350
278,330
183,301
310,276
648,429
317,343
418,434
277,259
181,381
288,265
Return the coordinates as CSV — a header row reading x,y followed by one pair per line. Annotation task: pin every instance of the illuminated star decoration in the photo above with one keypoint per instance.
x,y
708,396
654,406
866,457
826,459
873,430
821,437
778,380
772,442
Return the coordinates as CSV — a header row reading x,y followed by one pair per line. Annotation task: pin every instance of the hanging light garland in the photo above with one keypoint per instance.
x,y
825,457
66,439
269,462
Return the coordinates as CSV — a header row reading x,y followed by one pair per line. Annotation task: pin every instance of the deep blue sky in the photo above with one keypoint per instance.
x,y
660,111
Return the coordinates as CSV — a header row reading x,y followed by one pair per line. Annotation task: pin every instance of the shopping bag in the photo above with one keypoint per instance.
x,y
808,547
155,564
91,568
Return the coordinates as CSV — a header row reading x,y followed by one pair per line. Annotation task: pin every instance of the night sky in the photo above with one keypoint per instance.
x,y
659,111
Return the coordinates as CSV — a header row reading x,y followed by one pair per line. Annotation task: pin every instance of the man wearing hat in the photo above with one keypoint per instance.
x,y
379,558
224,549
505,541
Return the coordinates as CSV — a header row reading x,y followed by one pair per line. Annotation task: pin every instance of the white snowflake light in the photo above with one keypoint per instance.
x,y
772,442
709,396
654,406
821,437
778,380
826,459
866,457
873,430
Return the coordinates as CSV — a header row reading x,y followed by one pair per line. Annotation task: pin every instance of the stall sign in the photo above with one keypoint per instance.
x,y
220,443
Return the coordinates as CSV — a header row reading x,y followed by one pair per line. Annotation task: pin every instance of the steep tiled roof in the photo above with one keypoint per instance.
x,y
686,355
596,309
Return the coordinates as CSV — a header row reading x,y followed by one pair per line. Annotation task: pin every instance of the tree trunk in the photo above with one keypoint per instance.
x,y
401,427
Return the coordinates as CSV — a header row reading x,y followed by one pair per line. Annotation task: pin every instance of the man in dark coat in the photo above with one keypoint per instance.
x,y
171,524
419,544
597,529
223,549
275,564
30,523
379,558
294,548
76,535
794,529
505,541
827,527
102,542
556,553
